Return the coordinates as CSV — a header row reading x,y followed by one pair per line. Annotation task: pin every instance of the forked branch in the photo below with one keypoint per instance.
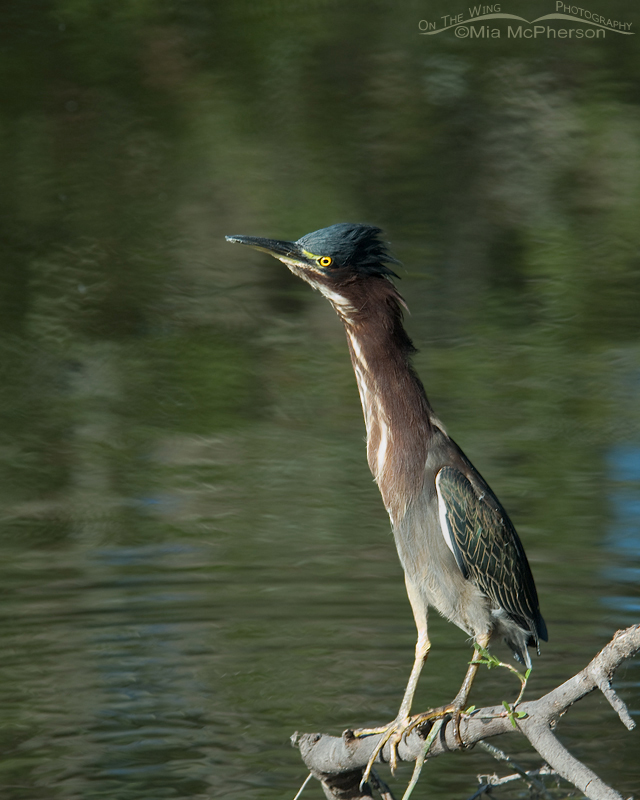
x,y
338,762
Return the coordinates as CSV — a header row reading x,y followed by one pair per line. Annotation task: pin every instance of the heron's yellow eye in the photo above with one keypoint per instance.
x,y
325,261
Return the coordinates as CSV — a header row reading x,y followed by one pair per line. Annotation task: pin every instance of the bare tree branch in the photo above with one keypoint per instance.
x,y
339,762
530,779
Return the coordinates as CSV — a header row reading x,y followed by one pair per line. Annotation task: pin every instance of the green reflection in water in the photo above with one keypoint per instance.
x,y
195,561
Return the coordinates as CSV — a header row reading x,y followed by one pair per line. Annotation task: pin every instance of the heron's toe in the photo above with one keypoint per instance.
x,y
391,734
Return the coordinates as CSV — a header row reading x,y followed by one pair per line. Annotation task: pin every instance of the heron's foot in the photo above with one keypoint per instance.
x,y
370,731
456,716
394,733
453,710
418,720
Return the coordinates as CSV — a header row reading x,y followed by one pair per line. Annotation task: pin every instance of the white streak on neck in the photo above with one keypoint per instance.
x,y
375,417
361,369
355,344
382,447
363,390
343,307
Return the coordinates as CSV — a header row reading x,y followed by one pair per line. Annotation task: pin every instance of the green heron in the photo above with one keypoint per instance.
x,y
458,548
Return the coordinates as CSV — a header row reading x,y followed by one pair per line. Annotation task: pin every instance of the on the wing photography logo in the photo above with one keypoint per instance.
x,y
479,23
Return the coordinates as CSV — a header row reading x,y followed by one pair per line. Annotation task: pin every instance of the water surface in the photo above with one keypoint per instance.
x,y
195,561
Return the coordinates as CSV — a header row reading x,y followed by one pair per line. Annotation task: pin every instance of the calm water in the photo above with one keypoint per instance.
x,y
195,562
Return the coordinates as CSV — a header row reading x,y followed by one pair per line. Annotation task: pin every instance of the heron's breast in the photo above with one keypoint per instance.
x,y
432,568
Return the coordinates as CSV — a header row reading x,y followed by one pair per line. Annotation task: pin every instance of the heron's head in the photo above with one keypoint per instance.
x,y
338,260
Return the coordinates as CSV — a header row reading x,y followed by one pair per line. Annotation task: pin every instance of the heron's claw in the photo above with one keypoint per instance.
x,y
395,733
456,715
454,710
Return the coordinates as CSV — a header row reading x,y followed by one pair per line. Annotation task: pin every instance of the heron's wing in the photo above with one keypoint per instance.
x,y
487,548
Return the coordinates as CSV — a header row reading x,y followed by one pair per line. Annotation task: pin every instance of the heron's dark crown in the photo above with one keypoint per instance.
x,y
351,246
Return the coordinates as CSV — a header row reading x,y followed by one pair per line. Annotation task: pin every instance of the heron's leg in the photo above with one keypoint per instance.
x,y
463,694
460,700
423,645
396,730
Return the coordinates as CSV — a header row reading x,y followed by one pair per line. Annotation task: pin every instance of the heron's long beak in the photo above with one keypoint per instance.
x,y
275,247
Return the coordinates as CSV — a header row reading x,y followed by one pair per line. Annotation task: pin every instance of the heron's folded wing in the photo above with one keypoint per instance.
x,y
487,548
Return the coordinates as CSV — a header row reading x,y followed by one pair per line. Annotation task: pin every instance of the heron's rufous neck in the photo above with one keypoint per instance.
x,y
397,414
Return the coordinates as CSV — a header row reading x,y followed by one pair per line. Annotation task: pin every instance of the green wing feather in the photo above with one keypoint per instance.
x,y
488,550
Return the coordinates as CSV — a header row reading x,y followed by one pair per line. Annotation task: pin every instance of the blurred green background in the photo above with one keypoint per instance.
x,y
194,559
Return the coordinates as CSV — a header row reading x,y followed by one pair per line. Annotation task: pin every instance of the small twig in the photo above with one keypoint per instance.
x,y
433,733
496,780
301,789
618,705
486,787
490,781
500,755
490,661
380,786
